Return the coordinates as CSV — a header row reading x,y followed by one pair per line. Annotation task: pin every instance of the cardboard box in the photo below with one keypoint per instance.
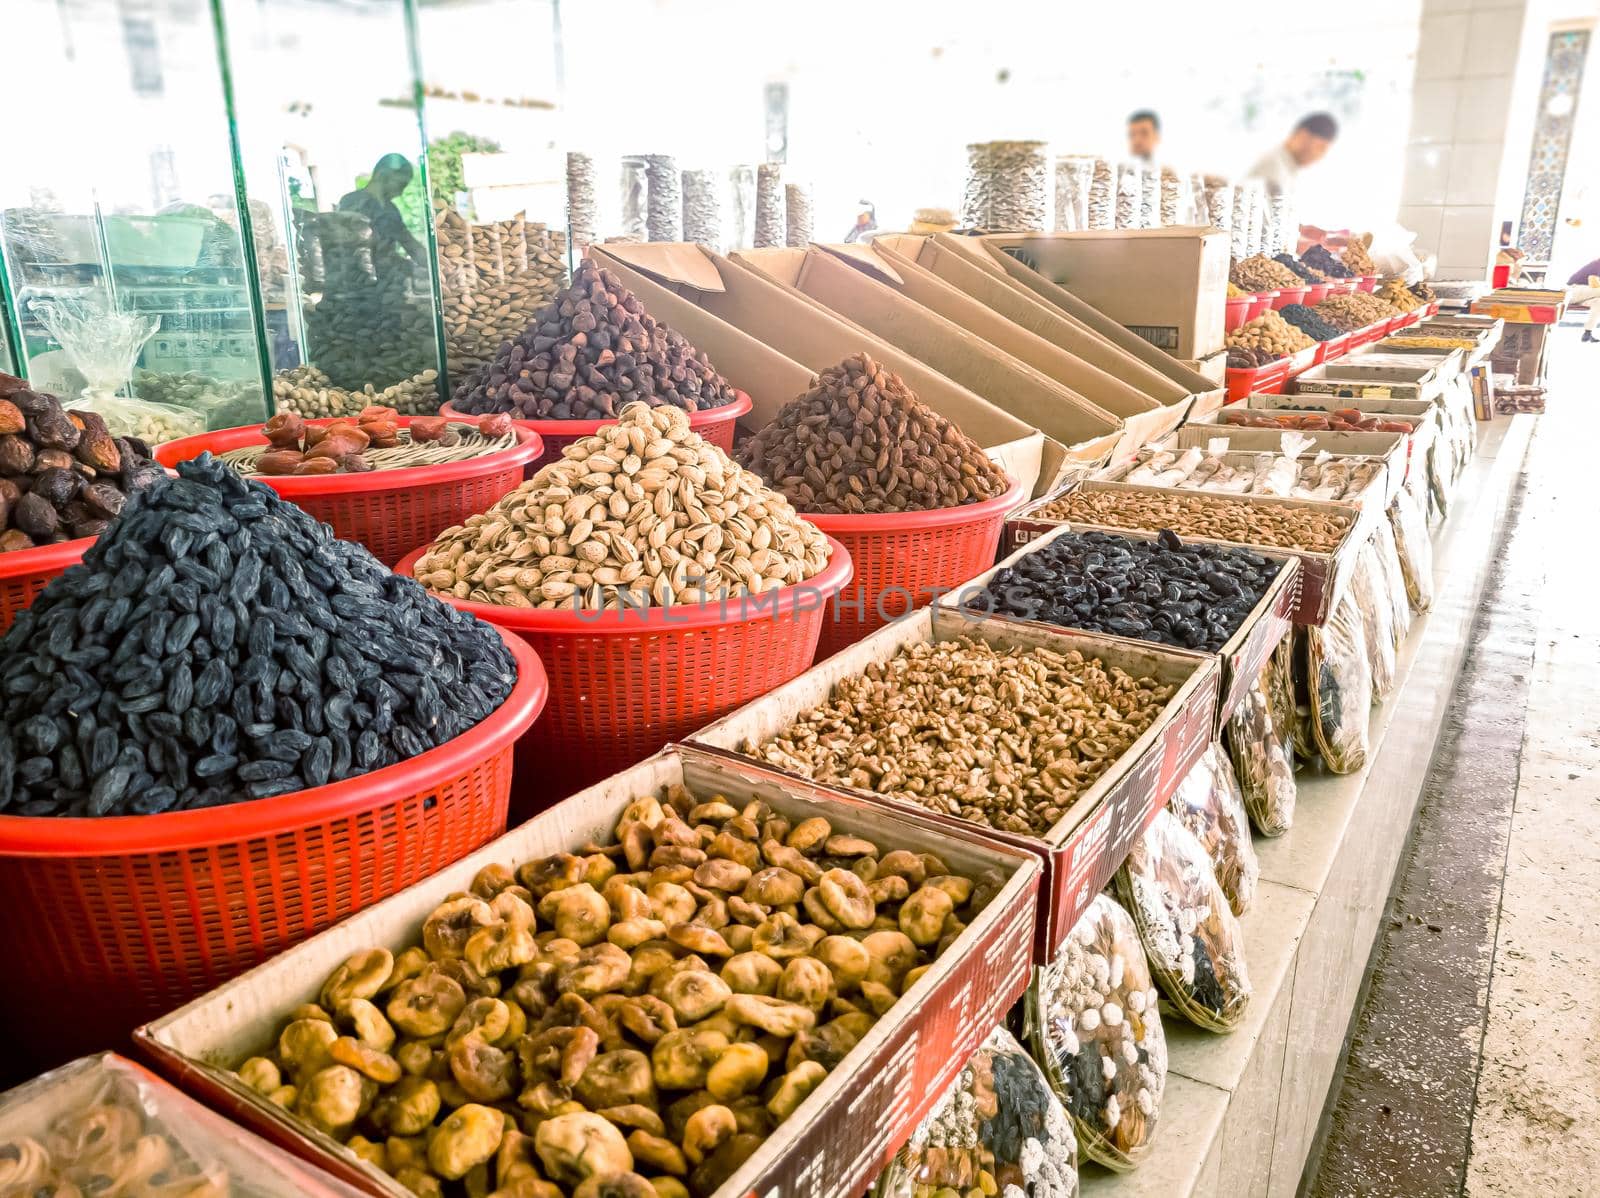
x,y
1376,490
1090,841
1525,305
1240,660
709,300
1521,352
1388,448
1371,377
1166,285
1144,417
969,268
1088,432
1215,368
1322,575
845,1130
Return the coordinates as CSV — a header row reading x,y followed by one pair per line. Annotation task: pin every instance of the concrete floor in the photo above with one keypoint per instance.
x,y
1473,1062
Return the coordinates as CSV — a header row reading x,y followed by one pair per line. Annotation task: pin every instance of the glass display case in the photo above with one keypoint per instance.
x,y
123,251
331,152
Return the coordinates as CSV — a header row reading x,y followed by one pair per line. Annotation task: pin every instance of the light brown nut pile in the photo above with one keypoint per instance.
x,y
644,1013
644,513
494,277
1354,311
861,441
1357,258
1261,273
308,391
1004,737
1398,296
1189,515
1270,333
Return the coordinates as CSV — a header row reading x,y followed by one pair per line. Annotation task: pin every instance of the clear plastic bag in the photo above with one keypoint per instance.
x,y
1190,935
1258,747
1129,195
1338,680
741,207
99,340
999,1129
1411,542
1239,227
102,1125
1102,196
1208,802
1008,185
1149,197
1377,621
1095,1028
1074,179
1257,209
1394,580
770,227
635,174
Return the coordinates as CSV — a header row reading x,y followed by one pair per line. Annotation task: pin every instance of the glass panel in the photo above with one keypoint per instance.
x,y
496,169
125,208
331,148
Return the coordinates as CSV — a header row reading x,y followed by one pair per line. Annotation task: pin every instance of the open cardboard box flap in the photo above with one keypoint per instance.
x,y
1089,432
1145,417
964,264
719,306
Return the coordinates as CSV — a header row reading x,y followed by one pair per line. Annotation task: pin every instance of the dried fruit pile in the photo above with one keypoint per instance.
x,y
861,441
1267,338
1254,523
1261,273
62,473
643,513
1195,596
1340,420
644,1013
1309,322
591,351
1003,737
217,644
1356,256
373,441
1319,258
1306,274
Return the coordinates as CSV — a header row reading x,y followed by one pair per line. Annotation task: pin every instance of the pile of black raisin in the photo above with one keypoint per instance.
x,y
1193,595
217,644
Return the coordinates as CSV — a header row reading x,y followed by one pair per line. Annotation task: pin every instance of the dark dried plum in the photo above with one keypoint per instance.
x,y
56,486
37,516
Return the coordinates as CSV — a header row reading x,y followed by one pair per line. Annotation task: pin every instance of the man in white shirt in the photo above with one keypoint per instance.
x,y
1306,145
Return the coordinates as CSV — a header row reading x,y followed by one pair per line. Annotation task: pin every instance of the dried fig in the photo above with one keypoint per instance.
x,y
279,461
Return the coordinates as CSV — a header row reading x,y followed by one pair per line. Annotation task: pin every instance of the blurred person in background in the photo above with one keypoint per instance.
x,y
1584,288
1306,145
1144,135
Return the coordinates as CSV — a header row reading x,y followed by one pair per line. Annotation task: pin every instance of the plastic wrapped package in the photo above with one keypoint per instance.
x,y
1129,195
1074,178
1257,208
583,212
663,198
1258,747
1102,196
1174,197
1338,681
1283,233
1208,802
771,229
1368,588
1008,183
1094,1024
797,215
635,173
1239,229
1190,935
1277,678
741,207
1411,542
1394,580
102,1125
999,1129
1149,197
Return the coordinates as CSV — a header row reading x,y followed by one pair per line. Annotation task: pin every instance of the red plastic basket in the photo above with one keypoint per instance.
x,y
714,424
385,510
625,683
1289,295
906,560
123,918
1367,282
1315,293
1333,347
25,572
1342,286
1260,302
1238,311
1263,380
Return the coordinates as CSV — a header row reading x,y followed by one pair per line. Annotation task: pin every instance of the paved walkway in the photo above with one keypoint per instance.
x,y
1473,1063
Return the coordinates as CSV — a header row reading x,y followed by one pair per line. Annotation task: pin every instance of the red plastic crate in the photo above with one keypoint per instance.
x,y
1289,295
1238,311
388,511
625,683
1334,347
1366,336
904,560
1260,304
1316,293
714,424
1367,282
1262,380
26,572
1303,360
147,911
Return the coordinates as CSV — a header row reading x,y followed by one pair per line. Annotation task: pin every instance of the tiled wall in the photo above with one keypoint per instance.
x,y
1463,131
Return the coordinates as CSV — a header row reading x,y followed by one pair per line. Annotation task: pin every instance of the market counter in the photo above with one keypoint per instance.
x,y
1241,1112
